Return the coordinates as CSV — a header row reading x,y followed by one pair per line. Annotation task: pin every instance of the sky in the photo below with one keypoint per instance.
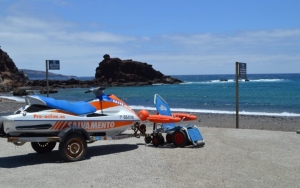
x,y
177,37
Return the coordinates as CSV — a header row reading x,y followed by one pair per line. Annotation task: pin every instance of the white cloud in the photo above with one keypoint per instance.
x,y
94,37
30,41
243,39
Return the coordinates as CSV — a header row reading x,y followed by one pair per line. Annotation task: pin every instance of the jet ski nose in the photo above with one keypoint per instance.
x,y
2,133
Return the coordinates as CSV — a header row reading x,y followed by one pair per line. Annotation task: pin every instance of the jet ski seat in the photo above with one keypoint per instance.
x,y
78,108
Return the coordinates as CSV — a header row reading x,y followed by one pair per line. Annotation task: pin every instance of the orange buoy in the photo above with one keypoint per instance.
x,y
163,119
143,114
187,117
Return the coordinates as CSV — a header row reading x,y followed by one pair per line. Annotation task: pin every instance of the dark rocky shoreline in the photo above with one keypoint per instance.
x,y
73,83
111,72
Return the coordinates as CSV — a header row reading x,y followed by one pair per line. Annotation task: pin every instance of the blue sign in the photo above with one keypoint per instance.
x,y
53,64
243,70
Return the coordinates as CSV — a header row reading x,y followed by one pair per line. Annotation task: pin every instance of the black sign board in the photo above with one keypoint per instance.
x,y
243,70
53,64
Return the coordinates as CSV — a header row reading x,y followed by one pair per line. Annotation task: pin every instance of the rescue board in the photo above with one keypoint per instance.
x,y
163,119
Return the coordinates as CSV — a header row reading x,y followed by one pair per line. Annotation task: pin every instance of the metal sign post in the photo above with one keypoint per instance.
x,y
237,94
47,78
240,72
52,65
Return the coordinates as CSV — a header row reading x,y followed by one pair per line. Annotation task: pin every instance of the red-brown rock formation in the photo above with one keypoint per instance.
x,y
10,76
125,71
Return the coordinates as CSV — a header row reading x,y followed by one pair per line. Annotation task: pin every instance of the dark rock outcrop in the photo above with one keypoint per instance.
x,y
19,92
10,76
115,70
111,72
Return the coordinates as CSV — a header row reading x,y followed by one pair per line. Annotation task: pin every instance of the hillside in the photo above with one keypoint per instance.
x,y
10,76
40,75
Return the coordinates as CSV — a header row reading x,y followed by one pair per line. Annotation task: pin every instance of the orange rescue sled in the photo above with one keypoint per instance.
x,y
179,135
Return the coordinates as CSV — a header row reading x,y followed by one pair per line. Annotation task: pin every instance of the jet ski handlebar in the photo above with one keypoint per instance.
x,y
97,91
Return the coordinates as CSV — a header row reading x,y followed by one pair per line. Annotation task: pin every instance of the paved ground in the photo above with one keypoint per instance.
x,y
230,158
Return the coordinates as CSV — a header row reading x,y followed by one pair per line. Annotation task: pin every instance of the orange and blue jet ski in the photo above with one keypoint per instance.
x,y
45,121
105,115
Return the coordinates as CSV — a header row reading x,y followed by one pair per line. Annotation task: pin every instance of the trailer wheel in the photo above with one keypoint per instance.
x,y
43,147
161,139
169,138
148,139
179,138
73,148
158,140
155,141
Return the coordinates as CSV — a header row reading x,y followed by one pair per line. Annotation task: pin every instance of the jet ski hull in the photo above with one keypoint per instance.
x,y
107,116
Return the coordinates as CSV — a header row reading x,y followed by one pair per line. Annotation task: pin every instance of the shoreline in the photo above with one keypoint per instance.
x,y
262,122
9,106
19,99
273,123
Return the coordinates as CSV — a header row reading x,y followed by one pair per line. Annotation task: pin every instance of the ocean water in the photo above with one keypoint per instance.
x,y
263,94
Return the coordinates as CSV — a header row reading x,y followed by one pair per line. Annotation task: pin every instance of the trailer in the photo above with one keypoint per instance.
x,y
44,122
72,141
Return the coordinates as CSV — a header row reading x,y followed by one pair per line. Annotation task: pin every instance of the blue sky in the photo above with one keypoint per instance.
x,y
176,37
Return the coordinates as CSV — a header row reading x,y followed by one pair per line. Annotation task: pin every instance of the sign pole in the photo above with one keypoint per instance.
x,y
237,93
47,78
52,65
240,72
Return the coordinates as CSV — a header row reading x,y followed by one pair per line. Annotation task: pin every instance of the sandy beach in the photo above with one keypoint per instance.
x,y
245,157
230,158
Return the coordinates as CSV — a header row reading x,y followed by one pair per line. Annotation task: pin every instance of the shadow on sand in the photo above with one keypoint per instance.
x,y
31,159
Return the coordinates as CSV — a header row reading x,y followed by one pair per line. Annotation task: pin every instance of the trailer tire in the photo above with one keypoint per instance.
x,y
161,140
169,138
43,147
73,148
148,139
158,140
179,138
155,141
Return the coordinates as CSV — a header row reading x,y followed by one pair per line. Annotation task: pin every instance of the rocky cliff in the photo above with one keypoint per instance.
x,y
111,72
115,70
10,76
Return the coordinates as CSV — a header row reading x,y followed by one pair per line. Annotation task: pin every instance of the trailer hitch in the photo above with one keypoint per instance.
x,y
139,129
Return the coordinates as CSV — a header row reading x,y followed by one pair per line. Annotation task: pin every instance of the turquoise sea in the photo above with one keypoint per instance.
x,y
263,94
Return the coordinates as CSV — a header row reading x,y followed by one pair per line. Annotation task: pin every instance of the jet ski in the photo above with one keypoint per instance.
x,y
45,121
104,115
